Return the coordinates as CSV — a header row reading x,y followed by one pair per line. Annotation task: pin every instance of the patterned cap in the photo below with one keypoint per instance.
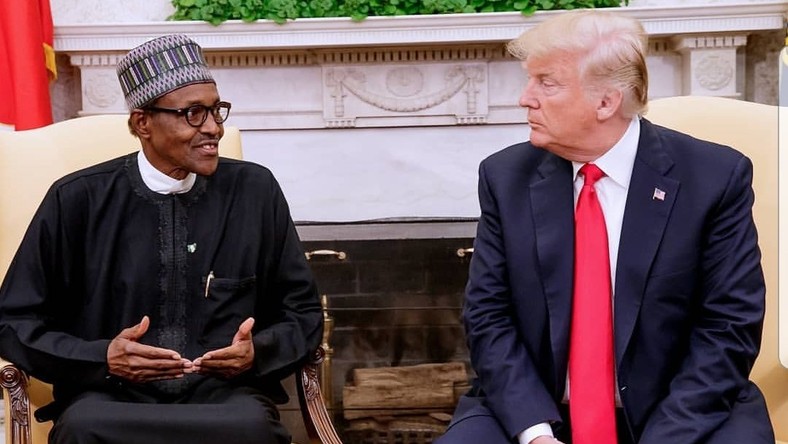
x,y
159,66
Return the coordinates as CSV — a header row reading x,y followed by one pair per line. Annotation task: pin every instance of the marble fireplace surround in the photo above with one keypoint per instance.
x,y
387,119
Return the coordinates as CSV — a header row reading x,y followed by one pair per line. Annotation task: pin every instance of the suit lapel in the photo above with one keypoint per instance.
x,y
649,203
553,213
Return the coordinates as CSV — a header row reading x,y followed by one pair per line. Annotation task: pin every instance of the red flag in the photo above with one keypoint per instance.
x,y
27,63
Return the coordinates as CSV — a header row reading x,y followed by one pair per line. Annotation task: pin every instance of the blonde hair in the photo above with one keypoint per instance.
x,y
612,50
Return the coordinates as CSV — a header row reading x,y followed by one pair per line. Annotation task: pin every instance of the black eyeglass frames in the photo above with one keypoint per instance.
x,y
196,115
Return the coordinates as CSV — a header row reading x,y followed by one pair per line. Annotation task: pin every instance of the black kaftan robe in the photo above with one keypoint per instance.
x,y
103,251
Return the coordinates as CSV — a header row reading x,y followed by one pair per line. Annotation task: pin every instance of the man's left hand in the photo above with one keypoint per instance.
x,y
230,361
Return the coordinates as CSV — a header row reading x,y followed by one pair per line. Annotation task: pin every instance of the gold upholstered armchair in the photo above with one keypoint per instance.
x,y
751,128
30,161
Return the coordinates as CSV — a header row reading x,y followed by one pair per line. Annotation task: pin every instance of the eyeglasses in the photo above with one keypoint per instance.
x,y
197,114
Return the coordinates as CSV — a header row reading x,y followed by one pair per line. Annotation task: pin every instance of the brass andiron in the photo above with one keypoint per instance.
x,y
328,328
325,366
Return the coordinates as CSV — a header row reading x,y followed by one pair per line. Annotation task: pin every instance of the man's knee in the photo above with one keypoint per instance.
x,y
75,426
258,423
89,421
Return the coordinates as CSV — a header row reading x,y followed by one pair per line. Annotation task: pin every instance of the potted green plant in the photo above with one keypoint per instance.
x,y
218,11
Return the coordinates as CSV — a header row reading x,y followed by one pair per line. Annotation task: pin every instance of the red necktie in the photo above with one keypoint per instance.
x,y
592,407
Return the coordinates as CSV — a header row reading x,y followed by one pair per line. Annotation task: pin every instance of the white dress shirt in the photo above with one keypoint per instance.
x,y
612,189
160,182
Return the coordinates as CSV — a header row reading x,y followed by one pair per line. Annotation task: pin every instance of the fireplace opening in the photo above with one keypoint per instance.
x,y
394,293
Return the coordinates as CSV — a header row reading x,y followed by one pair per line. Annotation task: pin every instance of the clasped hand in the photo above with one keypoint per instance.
x,y
127,358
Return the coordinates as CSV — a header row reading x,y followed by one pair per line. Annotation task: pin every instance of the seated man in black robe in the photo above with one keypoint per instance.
x,y
164,293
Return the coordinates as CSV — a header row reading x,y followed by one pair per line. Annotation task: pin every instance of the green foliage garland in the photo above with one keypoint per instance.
x,y
218,11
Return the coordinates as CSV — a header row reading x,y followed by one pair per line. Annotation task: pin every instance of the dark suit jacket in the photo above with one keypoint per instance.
x,y
689,290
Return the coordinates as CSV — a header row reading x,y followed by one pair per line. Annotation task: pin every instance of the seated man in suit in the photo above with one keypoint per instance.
x,y
615,292
164,293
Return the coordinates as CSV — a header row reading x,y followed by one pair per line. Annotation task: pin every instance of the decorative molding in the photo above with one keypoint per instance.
x,y
710,62
417,55
406,81
714,72
102,90
327,56
658,47
404,101
403,30
380,91
100,59
471,120
681,43
340,123
243,59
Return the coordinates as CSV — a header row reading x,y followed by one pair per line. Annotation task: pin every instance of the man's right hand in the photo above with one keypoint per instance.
x,y
135,362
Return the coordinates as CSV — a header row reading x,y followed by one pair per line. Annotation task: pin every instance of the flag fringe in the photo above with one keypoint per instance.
x,y
49,57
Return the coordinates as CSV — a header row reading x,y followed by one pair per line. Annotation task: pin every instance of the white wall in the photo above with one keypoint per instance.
x,y
380,173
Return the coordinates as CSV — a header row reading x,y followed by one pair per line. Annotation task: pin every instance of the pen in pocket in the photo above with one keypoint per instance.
x,y
208,283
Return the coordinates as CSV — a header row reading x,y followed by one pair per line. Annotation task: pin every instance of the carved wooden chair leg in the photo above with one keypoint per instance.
x,y
14,382
317,421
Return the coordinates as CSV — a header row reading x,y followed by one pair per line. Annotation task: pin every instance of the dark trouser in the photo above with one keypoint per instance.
x,y
215,412
486,429
748,423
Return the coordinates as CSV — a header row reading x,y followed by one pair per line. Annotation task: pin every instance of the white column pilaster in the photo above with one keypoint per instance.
x,y
710,65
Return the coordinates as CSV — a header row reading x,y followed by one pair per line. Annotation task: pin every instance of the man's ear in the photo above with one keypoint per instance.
x,y
140,123
609,104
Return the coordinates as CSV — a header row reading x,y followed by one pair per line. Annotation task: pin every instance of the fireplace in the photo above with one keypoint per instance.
x,y
394,291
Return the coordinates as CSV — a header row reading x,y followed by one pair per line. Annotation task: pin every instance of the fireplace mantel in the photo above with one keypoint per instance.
x,y
408,30
388,118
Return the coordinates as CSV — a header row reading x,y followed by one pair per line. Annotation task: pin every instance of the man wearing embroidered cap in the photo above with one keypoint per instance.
x,y
163,293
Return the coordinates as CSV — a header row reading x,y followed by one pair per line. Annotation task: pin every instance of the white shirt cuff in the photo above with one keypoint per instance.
x,y
533,432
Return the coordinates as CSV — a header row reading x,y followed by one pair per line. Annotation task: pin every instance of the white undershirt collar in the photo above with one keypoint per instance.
x,y
161,183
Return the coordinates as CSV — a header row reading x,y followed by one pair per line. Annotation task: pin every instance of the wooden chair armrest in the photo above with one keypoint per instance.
x,y
14,382
317,421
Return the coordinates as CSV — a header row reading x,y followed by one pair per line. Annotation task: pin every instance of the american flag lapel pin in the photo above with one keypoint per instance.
x,y
658,194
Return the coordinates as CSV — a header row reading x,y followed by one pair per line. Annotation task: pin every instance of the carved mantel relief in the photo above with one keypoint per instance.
x,y
386,92
710,63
